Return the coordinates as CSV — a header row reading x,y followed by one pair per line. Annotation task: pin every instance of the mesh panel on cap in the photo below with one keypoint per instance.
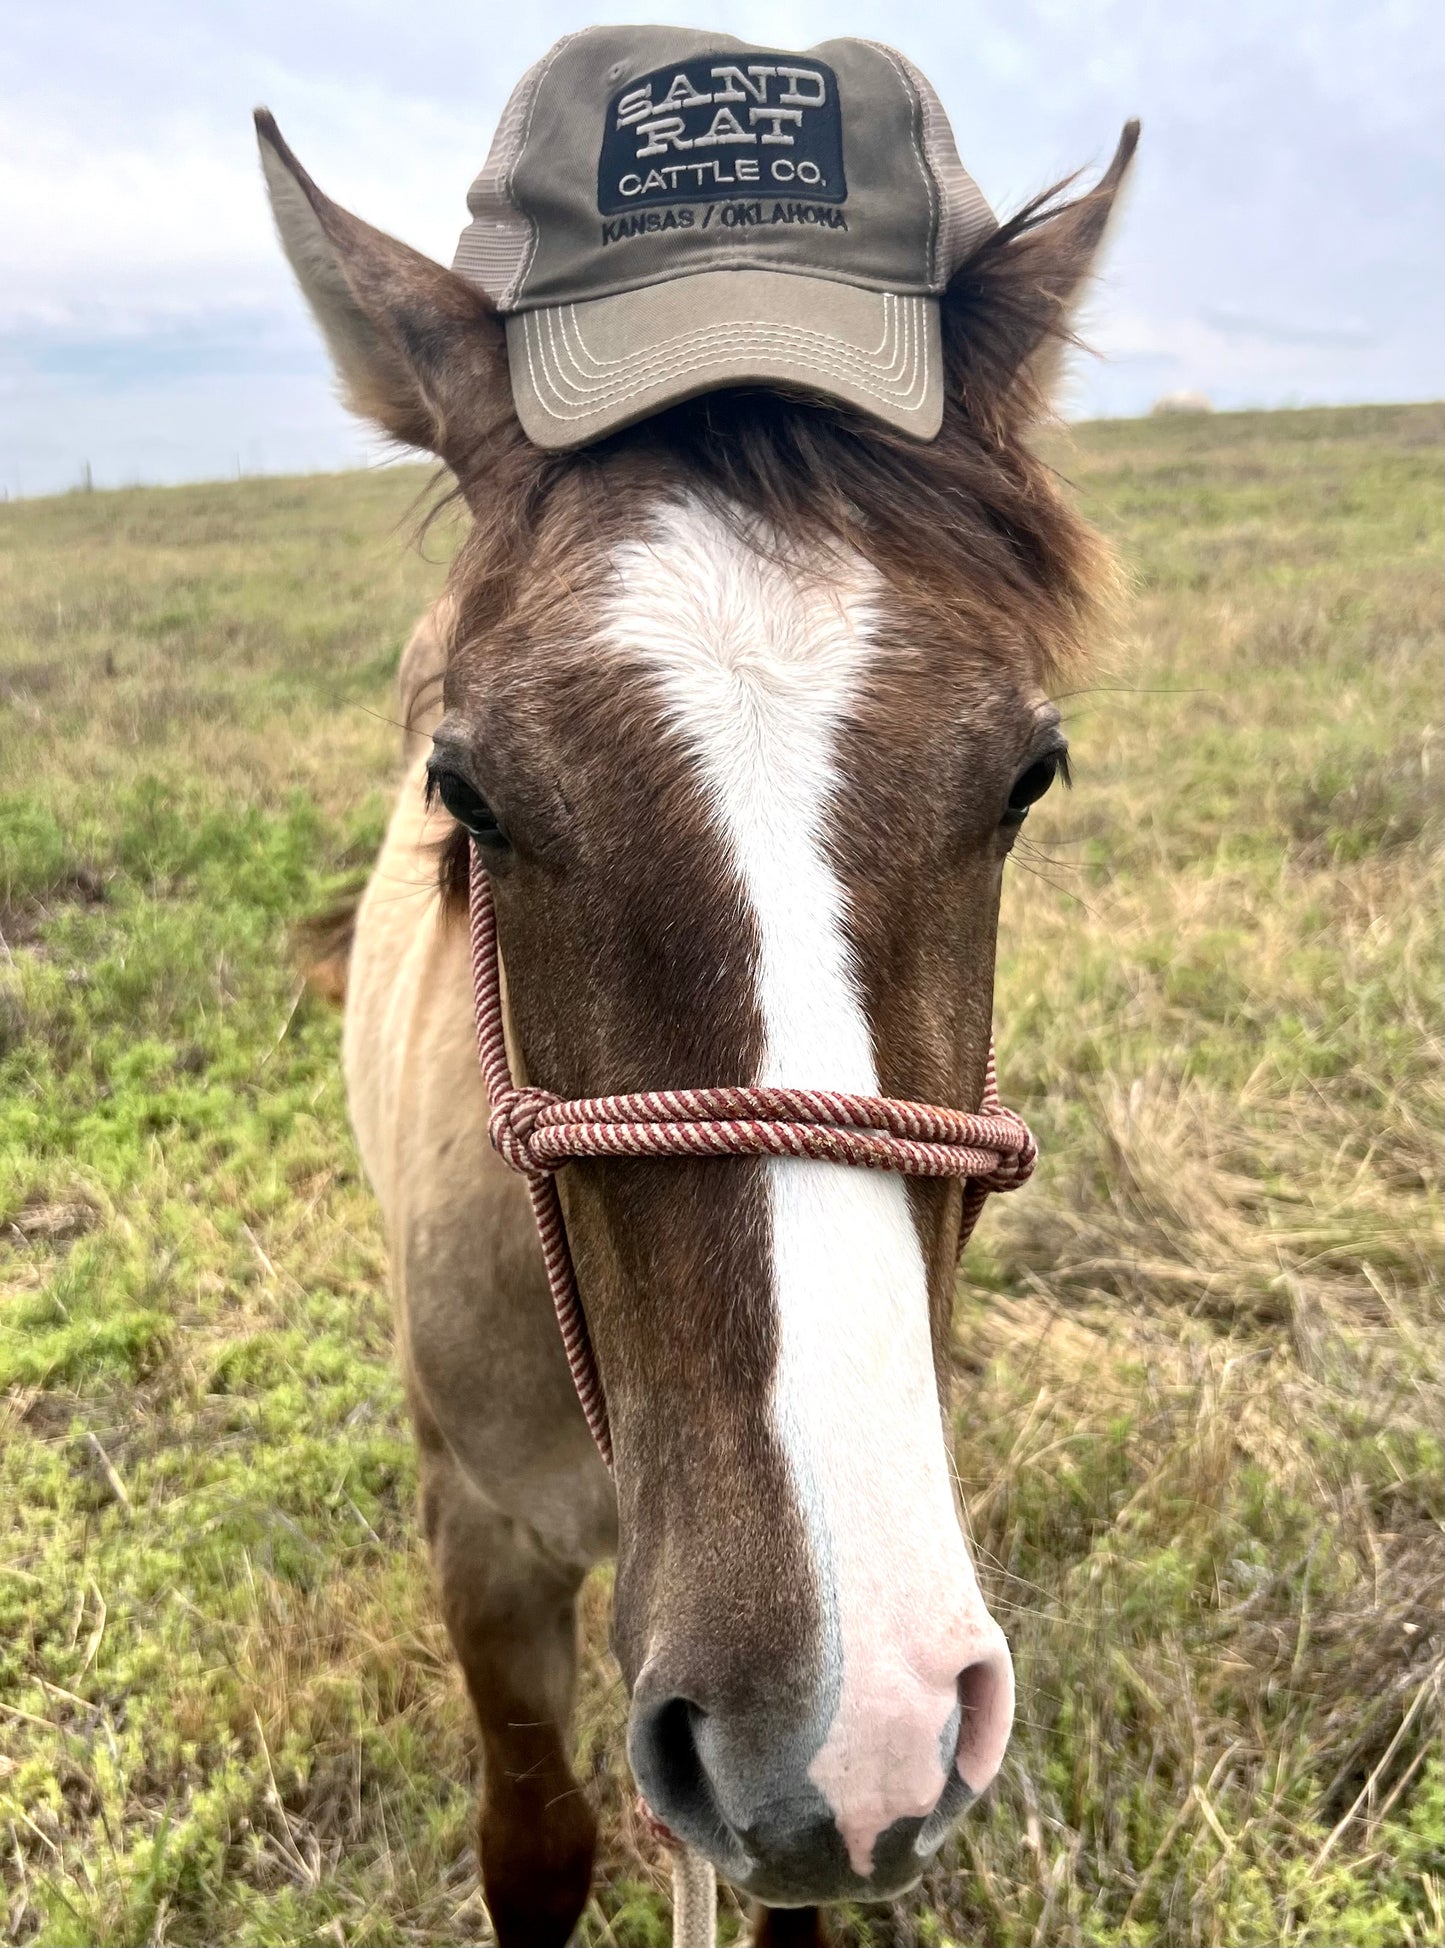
x,y
494,248
964,219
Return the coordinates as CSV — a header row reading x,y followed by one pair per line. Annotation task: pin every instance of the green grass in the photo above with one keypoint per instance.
x,y
1198,1404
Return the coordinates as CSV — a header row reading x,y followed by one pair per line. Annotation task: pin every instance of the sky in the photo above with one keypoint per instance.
x,y
1282,244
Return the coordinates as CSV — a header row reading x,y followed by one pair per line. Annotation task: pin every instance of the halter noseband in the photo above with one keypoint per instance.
x,y
536,1133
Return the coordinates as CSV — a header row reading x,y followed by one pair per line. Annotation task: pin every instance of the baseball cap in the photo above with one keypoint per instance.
x,y
666,211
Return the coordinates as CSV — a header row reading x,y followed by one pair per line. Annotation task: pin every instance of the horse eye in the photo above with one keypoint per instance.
x,y
1032,783
466,805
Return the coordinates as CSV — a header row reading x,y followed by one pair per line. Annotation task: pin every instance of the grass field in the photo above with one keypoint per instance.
x,y
1199,1403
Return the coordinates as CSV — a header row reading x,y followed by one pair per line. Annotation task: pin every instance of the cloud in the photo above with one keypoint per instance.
x,y
1282,242
1236,324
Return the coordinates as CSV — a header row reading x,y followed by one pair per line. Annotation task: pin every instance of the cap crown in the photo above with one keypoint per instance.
x,y
630,155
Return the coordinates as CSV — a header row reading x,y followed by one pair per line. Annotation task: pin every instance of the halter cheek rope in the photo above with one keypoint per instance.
x,y
536,1133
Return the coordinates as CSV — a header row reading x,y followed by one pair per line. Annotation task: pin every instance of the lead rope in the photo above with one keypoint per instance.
x,y
694,1899
536,1133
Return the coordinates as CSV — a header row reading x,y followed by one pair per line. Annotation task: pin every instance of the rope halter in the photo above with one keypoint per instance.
x,y
536,1132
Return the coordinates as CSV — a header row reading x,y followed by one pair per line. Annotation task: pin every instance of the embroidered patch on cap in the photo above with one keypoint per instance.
x,y
702,130
667,212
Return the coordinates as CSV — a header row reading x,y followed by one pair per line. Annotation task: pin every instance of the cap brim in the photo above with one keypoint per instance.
x,y
580,371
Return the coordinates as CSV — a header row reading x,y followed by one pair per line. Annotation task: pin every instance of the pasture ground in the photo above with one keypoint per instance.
x,y
1198,1404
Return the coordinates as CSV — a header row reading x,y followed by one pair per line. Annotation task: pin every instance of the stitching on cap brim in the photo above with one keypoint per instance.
x,y
567,393
900,319
550,354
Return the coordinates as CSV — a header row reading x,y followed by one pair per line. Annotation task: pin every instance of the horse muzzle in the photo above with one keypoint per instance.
x,y
797,1811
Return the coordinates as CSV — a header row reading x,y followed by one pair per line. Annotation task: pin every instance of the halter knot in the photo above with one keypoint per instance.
x,y
511,1125
1015,1167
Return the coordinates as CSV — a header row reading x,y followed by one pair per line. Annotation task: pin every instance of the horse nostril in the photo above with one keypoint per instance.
x,y
679,1774
662,1746
672,1775
986,1715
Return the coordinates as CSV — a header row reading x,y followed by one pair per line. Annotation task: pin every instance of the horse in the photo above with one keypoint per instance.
x,y
739,711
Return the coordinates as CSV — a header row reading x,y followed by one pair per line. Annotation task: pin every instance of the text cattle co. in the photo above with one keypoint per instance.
x,y
710,129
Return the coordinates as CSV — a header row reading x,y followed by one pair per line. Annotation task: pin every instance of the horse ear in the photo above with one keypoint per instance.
x,y
419,352
1008,310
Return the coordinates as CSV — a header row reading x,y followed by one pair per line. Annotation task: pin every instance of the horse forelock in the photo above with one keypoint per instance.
x,y
973,535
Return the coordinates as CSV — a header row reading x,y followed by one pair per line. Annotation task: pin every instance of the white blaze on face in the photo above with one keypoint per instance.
x,y
759,665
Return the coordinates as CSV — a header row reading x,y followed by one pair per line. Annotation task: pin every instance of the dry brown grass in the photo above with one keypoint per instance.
x,y
1199,1395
